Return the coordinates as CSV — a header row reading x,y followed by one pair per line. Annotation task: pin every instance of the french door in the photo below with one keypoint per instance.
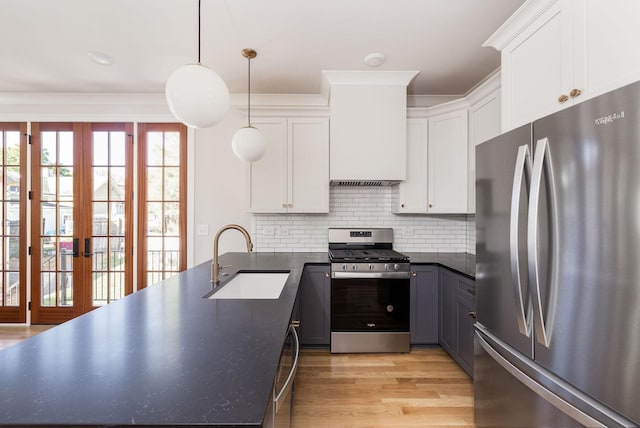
x,y
81,217
13,233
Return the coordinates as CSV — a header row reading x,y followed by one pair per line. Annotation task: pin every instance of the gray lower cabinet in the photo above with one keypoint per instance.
x,y
424,305
314,306
457,307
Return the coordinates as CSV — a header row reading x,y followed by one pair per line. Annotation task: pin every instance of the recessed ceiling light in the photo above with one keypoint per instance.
x,y
374,59
100,58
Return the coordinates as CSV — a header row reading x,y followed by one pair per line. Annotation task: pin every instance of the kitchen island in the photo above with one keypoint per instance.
x,y
163,356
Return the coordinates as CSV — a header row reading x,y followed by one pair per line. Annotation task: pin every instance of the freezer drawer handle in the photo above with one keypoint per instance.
x,y
547,395
542,160
522,172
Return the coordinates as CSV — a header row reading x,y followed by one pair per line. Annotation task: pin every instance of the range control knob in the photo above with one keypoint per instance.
x,y
344,267
354,267
396,266
370,266
386,266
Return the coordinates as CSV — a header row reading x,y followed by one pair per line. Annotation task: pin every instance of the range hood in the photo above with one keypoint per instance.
x,y
368,126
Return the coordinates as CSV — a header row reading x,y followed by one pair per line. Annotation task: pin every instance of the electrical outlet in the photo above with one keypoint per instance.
x,y
202,229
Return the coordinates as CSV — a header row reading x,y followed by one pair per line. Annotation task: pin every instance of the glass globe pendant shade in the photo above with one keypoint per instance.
x,y
197,96
249,144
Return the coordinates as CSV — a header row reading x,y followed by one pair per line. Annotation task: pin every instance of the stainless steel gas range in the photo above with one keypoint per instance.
x,y
369,291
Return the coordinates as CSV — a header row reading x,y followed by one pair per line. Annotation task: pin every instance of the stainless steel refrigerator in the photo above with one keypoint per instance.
x,y
557,340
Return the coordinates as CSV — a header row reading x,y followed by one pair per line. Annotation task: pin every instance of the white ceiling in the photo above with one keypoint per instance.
x,y
45,42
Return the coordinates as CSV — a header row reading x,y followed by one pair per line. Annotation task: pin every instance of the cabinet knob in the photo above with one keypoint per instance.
x,y
473,314
575,93
430,206
402,205
284,205
289,205
414,274
563,98
327,275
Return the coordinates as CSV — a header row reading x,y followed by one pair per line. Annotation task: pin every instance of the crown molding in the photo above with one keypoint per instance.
x,y
517,22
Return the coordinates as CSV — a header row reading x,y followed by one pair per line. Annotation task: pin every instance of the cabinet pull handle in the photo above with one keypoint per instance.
x,y
327,275
563,98
295,323
575,93
473,314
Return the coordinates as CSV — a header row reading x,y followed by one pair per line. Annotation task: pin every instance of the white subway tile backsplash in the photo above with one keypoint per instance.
x,y
364,207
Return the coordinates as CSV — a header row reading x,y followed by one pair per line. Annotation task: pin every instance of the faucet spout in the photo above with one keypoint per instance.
x,y
215,266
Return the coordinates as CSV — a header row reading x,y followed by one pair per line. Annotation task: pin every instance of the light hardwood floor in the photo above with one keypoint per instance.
x,y
424,388
11,334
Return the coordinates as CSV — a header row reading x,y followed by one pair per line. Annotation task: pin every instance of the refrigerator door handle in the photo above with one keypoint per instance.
x,y
523,165
543,327
541,391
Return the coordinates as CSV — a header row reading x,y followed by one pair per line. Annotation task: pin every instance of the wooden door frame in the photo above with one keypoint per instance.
x,y
87,162
18,314
143,129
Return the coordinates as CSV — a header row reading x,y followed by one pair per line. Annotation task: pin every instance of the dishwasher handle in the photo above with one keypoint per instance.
x,y
288,385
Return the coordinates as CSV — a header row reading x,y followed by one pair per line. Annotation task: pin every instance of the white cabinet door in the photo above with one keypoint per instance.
x,y
537,68
411,195
308,154
447,163
484,124
609,59
268,176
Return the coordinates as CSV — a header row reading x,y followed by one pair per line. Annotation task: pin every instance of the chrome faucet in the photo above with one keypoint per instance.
x,y
215,266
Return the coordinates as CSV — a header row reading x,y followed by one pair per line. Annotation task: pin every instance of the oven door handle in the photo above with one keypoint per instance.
x,y
371,275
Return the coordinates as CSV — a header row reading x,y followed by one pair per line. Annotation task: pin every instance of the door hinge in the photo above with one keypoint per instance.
x,y
30,195
29,306
28,138
29,251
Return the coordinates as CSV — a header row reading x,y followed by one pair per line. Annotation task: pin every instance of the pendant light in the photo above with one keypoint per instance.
x,y
249,143
197,96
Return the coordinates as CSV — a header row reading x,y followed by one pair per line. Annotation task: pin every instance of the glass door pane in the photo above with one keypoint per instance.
x,y
110,198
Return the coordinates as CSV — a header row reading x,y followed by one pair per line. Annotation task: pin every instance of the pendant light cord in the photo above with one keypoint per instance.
x,y
249,92
199,19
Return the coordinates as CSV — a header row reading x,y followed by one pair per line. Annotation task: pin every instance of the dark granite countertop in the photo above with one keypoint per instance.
x,y
165,356
463,263
161,356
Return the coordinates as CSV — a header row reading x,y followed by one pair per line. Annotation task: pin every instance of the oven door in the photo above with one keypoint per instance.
x,y
369,305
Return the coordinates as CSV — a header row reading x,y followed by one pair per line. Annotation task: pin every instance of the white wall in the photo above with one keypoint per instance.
x,y
220,188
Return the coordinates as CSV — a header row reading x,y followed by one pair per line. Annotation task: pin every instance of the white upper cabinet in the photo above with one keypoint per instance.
x,y
484,124
609,31
556,53
411,195
436,163
447,163
293,176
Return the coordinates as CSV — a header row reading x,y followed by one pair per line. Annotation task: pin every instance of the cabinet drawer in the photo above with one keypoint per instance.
x,y
467,289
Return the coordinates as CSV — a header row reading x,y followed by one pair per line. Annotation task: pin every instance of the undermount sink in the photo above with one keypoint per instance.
x,y
252,285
